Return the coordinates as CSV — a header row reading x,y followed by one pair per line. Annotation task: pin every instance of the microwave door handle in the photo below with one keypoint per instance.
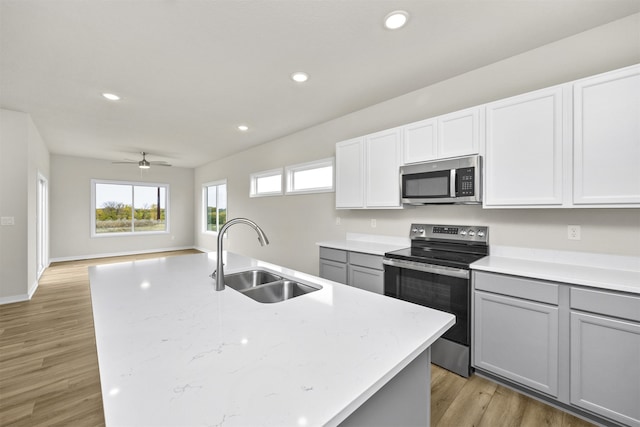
x,y
452,183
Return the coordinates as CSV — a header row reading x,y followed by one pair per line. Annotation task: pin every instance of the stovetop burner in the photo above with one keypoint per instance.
x,y
451,246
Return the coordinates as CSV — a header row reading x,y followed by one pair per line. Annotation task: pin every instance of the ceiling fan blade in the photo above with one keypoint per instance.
x,y
124,163
160,164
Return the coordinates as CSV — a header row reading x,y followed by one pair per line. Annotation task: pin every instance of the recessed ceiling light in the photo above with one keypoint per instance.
x,y
111,96
299,77
396,19
243,128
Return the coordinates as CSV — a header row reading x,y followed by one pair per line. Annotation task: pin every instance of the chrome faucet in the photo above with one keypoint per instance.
x,y
218,274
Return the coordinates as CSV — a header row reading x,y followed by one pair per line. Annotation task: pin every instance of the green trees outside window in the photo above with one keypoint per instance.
x,y
130,208
215,202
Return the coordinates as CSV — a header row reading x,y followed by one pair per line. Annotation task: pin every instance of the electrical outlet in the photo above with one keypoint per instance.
x,y
373,223
573,232
338,220
7,220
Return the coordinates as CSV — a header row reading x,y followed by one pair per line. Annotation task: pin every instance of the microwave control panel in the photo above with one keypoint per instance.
x,y
465,181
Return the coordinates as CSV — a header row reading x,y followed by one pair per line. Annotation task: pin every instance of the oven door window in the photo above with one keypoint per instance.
x,y
426,185
445,293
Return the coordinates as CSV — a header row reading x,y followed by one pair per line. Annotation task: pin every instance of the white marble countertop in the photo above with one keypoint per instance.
x,y
174,352
606,272
368,244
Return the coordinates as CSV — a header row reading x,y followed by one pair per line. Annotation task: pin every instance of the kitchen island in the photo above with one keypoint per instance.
x,y
173,351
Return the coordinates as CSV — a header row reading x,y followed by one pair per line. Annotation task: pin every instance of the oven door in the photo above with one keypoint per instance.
x,y
441,288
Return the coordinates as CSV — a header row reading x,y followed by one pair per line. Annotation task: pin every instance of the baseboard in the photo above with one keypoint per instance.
x,y
33,289
115,254
201,249
14,298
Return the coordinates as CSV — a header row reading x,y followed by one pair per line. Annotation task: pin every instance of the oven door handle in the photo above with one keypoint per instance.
x,y
427,268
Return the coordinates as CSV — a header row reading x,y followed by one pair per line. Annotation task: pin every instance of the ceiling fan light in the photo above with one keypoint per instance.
x,y
143,164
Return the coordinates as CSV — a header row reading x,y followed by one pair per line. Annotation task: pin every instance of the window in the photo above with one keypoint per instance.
x,y
312,177
267,183
214,200
128,207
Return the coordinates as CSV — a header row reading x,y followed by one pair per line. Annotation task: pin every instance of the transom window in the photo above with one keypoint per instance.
x,y
125,208
311,177
266,183
214,200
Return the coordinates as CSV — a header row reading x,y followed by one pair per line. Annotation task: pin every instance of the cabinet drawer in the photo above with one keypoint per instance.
x,y
607,303
366,260
333,254
534,290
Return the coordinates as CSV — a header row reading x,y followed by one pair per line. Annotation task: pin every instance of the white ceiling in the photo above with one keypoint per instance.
x,y
190,71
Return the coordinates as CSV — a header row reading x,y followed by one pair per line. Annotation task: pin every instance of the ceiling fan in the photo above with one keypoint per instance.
x,y
144,163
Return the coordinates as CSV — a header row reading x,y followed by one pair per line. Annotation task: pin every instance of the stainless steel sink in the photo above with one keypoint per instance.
x,y
249,279
266,287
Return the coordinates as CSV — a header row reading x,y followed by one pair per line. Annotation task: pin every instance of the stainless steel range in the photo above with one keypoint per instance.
x,y
434,272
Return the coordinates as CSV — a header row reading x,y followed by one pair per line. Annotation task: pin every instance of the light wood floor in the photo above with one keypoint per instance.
x,y
49,367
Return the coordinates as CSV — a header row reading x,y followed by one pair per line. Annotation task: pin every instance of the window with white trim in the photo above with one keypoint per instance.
x,y
214,201
126,208
266,183
310,177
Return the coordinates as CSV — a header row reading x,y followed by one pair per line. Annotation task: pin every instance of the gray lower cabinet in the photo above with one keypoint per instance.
x,y
333,265
360,270
605,354
365,278
333,270
516,338
576,346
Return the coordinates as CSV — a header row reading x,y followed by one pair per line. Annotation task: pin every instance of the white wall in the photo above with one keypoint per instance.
x,y
70,195
295,223
23,155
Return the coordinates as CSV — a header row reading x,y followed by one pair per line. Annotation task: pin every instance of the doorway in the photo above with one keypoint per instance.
x,y
42,226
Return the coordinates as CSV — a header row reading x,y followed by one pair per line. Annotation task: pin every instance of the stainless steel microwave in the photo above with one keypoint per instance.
x,y
454,180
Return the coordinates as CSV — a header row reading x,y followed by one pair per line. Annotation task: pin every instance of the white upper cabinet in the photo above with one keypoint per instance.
x,y
459,133
382,172
420,141
526,149
450,135
350,173
607,139
367,171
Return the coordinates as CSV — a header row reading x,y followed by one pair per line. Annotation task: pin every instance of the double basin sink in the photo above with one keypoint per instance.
x,y
266,287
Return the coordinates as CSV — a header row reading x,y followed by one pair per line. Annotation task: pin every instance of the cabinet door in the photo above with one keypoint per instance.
x,y
524,150
382,182
350,173
605,367
367,279
459,133
333,270
419,141
518,340
607,138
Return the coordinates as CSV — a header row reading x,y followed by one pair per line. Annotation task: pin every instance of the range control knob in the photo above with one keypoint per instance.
x,y
415,230
472,233
463,232
481,233
421,231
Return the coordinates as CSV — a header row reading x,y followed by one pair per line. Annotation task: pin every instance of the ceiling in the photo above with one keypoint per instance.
x,y
190,71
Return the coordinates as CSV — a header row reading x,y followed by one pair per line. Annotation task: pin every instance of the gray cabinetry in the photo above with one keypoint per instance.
x,y
517,337
605,354
360,270
333,265
366,272
574,346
